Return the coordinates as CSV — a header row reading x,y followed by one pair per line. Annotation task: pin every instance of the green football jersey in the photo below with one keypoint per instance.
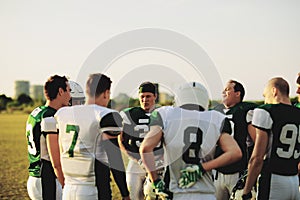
x,y
135,127
238,116
33,135
282,123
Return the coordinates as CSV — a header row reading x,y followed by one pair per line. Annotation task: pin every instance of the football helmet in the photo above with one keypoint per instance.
x,y
192,93
77,94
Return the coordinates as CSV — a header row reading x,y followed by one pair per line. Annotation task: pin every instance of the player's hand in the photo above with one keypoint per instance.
x,y
190,175
160,189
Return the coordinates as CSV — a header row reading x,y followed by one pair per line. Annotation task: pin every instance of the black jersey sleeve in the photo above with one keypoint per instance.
x,y
111,124
226,127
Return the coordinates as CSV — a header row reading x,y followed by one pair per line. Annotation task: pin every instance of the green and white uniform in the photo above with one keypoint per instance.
x,y
135,127
37,150
240,117
79,126
279,176
190,137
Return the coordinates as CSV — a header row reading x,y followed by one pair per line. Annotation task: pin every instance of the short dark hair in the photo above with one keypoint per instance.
x,y
96,84
298,79
52,86
148,87
238,87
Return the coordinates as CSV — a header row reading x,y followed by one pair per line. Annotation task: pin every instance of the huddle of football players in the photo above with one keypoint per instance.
x,y
235,150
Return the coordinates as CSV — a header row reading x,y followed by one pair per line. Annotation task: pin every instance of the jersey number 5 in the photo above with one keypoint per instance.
x,y
75,129
192,141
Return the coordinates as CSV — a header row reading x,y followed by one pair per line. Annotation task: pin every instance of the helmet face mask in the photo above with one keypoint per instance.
x,y
77,94
192,93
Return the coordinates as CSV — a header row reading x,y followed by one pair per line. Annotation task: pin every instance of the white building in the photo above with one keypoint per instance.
x,y
21,87
37,92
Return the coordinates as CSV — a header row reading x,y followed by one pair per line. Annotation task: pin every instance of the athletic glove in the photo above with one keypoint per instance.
x,y
160,190
190,175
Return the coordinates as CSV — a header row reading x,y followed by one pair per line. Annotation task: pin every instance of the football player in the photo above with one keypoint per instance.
x,y
276,151
190,137
135,127
239,114
42,182
79,126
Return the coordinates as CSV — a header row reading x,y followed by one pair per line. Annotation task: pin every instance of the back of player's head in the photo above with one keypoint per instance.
x,y
281,84
77,94
298,79
238,87
147,87
192,93
96,84
52,85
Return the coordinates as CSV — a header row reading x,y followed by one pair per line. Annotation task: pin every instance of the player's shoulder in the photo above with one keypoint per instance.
x,y
166,109
267,107
245,105
213,114
219,107
133,110
47,111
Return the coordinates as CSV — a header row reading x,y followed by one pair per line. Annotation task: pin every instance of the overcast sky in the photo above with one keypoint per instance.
x,y
250,41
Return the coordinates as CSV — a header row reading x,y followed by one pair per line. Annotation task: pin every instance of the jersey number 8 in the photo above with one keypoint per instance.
x,y
192,141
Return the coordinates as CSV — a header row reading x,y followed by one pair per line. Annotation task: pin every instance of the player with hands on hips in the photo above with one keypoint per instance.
x,y
190,136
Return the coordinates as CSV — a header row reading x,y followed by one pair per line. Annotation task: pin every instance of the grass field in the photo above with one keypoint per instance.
x,y
14,163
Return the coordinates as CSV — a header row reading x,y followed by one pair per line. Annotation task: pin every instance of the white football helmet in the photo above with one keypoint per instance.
x,y
192,93
77,94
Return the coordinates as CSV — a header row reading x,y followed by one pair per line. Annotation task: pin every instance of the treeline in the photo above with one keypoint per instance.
x,y
26,104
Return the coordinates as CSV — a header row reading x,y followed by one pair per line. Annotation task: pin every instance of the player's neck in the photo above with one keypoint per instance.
x,y
54,104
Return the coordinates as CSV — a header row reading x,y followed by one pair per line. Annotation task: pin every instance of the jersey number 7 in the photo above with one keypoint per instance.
x,y
72,129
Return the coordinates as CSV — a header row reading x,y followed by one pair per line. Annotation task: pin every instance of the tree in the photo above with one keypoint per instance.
x,y
3,101
24,99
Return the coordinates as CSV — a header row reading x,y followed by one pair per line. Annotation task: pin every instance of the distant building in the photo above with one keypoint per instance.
x,y
21,87
37,92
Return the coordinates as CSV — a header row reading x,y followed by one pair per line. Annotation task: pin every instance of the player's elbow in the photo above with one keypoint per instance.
x,y
239,154
236,154
145,148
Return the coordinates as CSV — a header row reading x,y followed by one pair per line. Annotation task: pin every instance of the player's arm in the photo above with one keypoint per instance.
x,y
48,125
151,140
252,132
232,153
262,122
112,124
256,160
121,145
54,153
251,128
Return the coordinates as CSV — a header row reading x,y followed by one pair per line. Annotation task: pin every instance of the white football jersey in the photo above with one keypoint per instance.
x,y
79,126
190,137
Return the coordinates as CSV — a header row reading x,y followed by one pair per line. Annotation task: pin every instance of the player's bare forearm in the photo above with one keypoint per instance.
x,y
54,153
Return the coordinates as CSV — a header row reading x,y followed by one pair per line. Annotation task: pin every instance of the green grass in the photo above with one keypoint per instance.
x,y
14,163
